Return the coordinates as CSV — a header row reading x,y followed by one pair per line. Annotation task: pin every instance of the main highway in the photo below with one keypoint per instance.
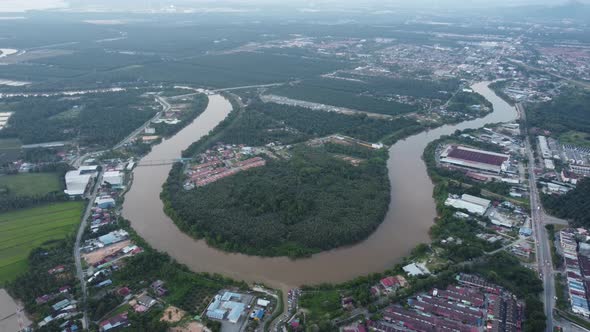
x,y
543,249
77,258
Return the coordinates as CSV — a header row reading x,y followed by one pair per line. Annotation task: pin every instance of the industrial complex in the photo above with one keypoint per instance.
x,y
462,156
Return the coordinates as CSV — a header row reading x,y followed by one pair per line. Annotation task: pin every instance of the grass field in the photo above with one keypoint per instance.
x,y
9,149
575,138
21,231
29,184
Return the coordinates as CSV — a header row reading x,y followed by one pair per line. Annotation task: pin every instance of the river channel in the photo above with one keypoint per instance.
x,y
411,210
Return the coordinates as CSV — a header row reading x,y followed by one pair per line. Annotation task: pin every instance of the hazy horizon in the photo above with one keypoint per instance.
x,y
158,5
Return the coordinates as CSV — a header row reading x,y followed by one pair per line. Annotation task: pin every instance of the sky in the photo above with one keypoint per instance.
x,y
23,5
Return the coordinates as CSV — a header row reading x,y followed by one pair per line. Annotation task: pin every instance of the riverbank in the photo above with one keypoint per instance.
x,y
410,215
10,317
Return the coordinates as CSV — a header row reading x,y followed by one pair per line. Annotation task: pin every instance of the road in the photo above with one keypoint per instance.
x,y
229,89
77,256
543,250
165,108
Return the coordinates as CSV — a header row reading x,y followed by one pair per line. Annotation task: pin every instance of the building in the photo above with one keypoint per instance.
x,y
105,202
544,147
472,204
113,237
146,301
457,155
549,164
78,181
501,219
416,269
224,307
262,303
114,178
114,322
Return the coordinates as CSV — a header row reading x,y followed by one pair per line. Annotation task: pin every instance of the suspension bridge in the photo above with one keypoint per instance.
x,y
162,162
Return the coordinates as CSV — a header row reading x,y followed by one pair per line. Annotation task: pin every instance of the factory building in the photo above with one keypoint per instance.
x,y
226,306
114,178
462,156
78,181
472,204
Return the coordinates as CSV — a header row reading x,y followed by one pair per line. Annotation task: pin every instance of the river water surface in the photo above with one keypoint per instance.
x,y
411,210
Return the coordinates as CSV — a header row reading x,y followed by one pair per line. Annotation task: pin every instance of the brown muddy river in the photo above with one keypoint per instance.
x,y
411,211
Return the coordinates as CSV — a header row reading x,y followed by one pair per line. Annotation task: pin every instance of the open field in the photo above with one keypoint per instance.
x,y
575,138
21,231
30,184
98,255
9,149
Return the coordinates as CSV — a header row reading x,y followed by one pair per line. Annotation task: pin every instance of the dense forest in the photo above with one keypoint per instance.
x,y
261,123
568,111
574,205
342,94
97,119
462,101
309,203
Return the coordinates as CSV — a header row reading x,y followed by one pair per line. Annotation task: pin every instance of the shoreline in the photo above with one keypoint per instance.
x,y
383,248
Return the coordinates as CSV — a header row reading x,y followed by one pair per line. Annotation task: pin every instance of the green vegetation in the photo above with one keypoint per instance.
x,y
19,191
575,138
463,101
9,150
297,207
368,97
505,270
556,258
561,293
30,184
574,318
264,123
186,290
573,205
35,280
198,105
279,309
22,231
323,305
570,111
102,119
498,88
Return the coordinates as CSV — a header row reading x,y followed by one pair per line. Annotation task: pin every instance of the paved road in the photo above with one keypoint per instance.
x,y
229,89
543,250
77,256
165,105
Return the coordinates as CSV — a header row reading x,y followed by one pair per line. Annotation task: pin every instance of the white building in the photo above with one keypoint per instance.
x,y
549,164
77,181
115,178
472,204
545,151
416,269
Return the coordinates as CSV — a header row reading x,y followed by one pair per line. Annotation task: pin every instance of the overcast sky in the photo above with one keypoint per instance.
x,y
23,5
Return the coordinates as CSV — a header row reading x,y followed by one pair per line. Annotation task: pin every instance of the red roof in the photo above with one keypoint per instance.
x,y
389,281
479,157
124,291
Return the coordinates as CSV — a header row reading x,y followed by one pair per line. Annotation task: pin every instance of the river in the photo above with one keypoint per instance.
x,y
410,215
10,320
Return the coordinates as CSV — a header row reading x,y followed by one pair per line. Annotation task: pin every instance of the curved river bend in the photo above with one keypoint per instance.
x,y
411,210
